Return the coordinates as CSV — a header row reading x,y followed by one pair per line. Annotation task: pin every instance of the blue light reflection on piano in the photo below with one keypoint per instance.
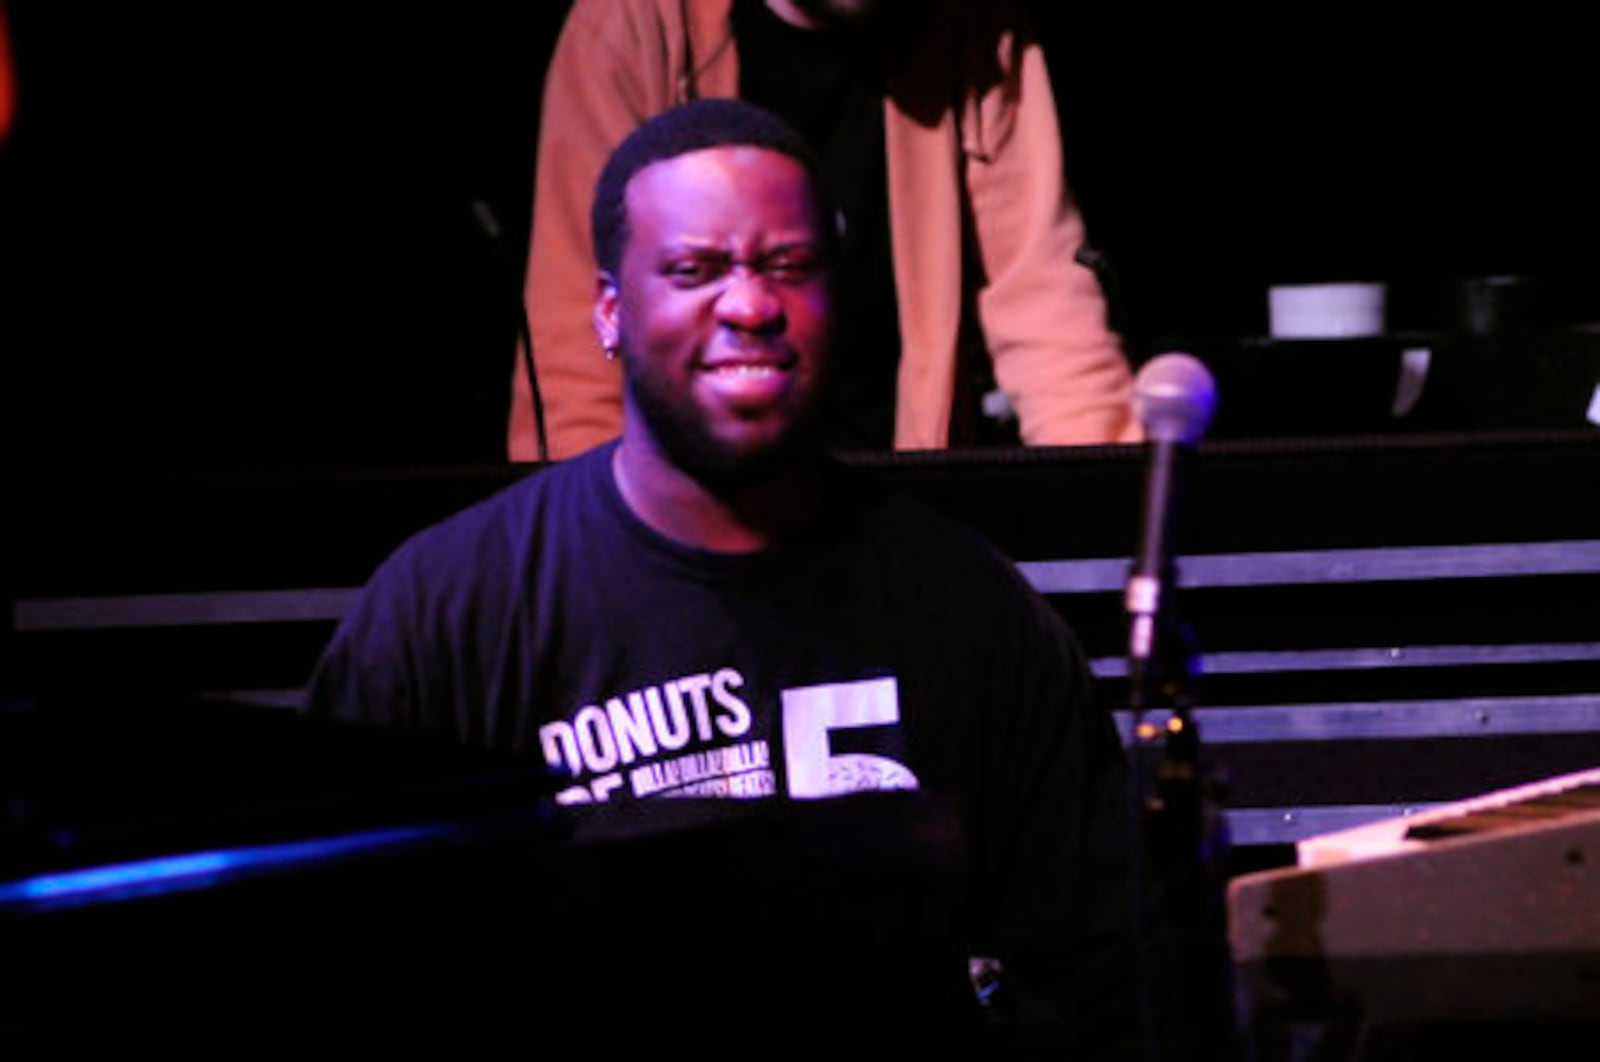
x,y
118,882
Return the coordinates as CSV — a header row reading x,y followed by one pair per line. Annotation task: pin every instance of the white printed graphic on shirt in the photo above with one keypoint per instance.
x,y
639,741
812,714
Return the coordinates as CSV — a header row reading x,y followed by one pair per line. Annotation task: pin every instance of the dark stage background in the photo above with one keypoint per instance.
x,y
240,233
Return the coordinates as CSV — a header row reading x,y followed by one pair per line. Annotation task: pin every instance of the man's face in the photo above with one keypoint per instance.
x,y
721,308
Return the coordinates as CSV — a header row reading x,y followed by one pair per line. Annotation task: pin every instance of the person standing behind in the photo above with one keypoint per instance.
x,y
937,128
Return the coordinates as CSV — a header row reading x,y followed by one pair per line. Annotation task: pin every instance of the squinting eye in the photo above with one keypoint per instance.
x,y
792,270
690,274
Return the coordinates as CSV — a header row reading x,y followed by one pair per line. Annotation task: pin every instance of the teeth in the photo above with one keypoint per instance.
x,y
746,370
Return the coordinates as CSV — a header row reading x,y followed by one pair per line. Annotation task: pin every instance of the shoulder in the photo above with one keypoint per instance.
x,y
481,543
960,598
623,60
905,531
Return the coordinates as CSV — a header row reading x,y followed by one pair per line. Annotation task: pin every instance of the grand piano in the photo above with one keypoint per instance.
x,y
184,868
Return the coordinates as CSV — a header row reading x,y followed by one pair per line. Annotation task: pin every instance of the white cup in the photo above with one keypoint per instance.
x,y
1326,311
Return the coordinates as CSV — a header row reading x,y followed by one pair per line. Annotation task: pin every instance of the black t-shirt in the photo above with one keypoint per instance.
x,y
889,649
830,85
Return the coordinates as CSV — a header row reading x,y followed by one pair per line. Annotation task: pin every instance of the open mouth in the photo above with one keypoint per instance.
x,y
748,385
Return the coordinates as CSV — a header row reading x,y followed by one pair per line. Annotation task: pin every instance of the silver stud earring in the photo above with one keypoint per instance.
x,y
610,350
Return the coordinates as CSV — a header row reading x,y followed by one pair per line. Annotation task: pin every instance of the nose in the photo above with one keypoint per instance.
x,y
748,302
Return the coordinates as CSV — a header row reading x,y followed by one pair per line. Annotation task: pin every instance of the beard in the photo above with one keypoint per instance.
x,y
716,463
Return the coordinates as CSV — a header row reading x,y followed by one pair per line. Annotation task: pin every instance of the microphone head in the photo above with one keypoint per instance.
x,y
1174,397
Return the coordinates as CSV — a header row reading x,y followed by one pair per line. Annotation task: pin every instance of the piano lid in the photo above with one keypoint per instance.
x,y
96,780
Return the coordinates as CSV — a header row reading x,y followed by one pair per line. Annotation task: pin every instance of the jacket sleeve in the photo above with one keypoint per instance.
x,y
1043,314
596,90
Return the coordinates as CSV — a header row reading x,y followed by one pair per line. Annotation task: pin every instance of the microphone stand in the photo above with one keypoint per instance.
x,y
1182,844
1179,834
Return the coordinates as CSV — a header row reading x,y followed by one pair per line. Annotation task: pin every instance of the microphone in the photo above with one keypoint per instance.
x,y
1174,397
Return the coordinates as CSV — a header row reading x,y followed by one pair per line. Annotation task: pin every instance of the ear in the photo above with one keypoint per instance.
x,y
607,328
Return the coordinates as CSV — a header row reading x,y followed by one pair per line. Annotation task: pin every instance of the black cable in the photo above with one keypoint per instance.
x,y
490,226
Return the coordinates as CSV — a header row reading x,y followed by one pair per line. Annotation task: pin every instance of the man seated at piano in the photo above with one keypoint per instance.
x,y
709,613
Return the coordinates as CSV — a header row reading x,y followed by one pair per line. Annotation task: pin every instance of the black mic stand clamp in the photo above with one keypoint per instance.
x,y
1181,796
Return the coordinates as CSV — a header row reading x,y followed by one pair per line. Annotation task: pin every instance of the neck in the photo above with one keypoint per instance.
x,y
743,519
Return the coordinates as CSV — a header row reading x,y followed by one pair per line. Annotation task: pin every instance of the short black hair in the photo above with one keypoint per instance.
x,y
689,127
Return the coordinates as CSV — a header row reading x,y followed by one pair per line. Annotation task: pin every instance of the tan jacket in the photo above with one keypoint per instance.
x,y
988,141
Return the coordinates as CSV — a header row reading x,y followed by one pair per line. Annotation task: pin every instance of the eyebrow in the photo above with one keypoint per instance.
x,y
809,243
